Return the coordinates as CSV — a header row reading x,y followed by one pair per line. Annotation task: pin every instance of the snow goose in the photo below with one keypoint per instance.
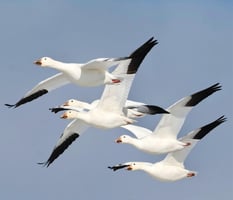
x,y
110,106
113,99
164,137
172,167
132,109
90,74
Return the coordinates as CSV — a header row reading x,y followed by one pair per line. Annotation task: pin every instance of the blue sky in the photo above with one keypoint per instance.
x,y
195,51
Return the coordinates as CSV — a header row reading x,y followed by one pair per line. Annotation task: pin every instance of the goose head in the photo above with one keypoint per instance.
x,y
71,102
44,62
133,166
70,114
123,139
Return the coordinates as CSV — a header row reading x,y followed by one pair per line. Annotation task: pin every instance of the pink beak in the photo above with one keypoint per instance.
x,y
66,103
64,116
38,62
118,140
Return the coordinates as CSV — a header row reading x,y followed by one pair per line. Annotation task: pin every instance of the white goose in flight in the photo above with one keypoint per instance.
x,y
132,109
164,137
172,167
90,74
109,111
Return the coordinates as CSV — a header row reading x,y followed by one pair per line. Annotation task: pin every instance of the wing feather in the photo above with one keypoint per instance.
x,y
42,88
70,134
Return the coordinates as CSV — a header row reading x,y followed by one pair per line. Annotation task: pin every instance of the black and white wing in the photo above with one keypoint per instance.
x,y
170,124
42,88
178,157
70,134
114,96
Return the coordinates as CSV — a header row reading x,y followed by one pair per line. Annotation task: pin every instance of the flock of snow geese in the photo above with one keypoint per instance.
x,y
117,111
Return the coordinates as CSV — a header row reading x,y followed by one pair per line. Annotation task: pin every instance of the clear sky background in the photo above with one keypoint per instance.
x,y
195,51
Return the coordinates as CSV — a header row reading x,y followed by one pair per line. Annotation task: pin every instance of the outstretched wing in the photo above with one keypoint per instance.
x,y
70,134
114,96
138,131
178,157
42,88
170,125
103,63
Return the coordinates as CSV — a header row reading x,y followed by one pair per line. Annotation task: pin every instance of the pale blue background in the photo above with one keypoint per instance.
x,y
195,51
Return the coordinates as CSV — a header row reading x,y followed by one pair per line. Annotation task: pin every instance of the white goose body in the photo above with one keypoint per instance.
x,y
108,113
132,109
98,118
156,145
163,172
108,120
164,137
90,74
172,168
79,75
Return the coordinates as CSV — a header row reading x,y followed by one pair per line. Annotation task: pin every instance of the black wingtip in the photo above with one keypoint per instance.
x,y
113,168
156,110
150,109
117,167
58,150
44,164
199,96
222,119
109,167
207,128
216,87
57,109
219,120
10,105
151,40
28,98
139,54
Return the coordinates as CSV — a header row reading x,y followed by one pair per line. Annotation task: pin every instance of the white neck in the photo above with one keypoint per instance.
x,y
86,105
144,166
84,116
135,142
59,65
